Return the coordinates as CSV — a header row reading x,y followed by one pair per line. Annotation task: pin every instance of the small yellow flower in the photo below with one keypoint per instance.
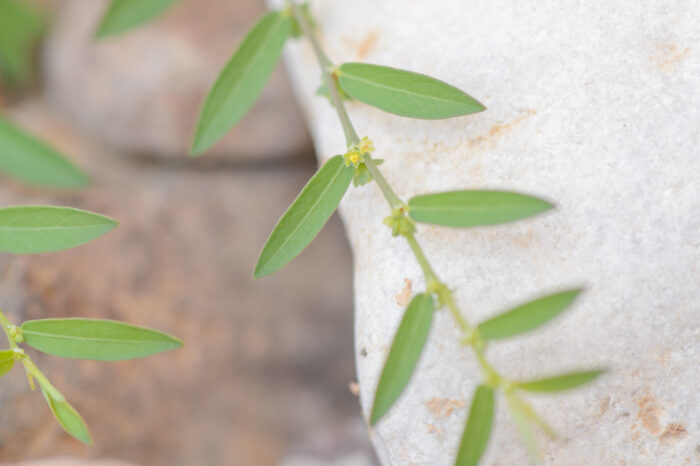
x,y
352,157
366,146
357,151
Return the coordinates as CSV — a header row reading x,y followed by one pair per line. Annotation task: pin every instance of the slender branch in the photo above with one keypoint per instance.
x,y
330,79
6,325
432,281
351,136
378,177
428,271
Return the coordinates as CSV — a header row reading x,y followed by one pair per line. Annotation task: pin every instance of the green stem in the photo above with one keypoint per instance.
x,y
461,321
432,281
6,324
351,137
34,371
378,177
428,272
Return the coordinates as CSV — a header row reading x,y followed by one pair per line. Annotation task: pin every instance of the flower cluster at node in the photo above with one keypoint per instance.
x,y
399,222
357,151
355,157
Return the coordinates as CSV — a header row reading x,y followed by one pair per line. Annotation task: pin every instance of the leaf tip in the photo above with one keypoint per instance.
x,y
546,205
263,269
573,293
177,343
375,415
479,107
86,439
81,180
101,33
197,148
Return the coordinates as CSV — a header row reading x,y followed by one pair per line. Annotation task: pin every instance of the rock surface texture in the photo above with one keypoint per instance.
x,y
592,105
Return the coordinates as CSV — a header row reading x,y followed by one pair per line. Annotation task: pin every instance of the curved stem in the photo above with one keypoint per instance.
x,y
431,279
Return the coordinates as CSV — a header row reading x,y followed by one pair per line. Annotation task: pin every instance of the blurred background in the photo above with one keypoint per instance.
x,y
266,374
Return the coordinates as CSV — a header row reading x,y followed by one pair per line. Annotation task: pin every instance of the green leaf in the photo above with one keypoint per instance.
x,y
474,208
123,15
527,316
404,354
35,229
478,429
21,28
405,93
67,416
242,80
521,421
306,216
560,382
102,340
33,162
7,360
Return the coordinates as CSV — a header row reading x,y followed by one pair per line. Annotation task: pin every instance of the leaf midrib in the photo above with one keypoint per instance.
x,y
92,339
459,208
308,213
41,229
400,90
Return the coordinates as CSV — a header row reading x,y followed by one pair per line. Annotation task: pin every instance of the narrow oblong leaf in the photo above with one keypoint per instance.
x,y
123,15
21,27
524,427
306,216
478,429
102,340
527,316
404,354
474,208
7,361
560,382
242,80
31,161
35,229
405,93
67,417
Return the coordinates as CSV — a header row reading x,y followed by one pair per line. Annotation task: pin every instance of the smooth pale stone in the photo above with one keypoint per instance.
x,y
593,105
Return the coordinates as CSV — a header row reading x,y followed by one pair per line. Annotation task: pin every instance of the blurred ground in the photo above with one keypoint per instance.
x,y
263,378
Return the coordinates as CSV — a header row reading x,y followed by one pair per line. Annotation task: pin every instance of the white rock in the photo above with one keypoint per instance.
x,y
594,105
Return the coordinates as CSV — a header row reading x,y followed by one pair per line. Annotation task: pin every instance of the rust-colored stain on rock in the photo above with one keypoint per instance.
x,y
367,44
433,429
500,129
649,413
674,431
442,407
668,57
404,296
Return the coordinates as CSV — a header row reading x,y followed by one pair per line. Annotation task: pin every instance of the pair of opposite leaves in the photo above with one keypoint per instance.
x,y
395,91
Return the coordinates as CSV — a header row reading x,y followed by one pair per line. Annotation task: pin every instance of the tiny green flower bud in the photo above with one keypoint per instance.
x,y
18,354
